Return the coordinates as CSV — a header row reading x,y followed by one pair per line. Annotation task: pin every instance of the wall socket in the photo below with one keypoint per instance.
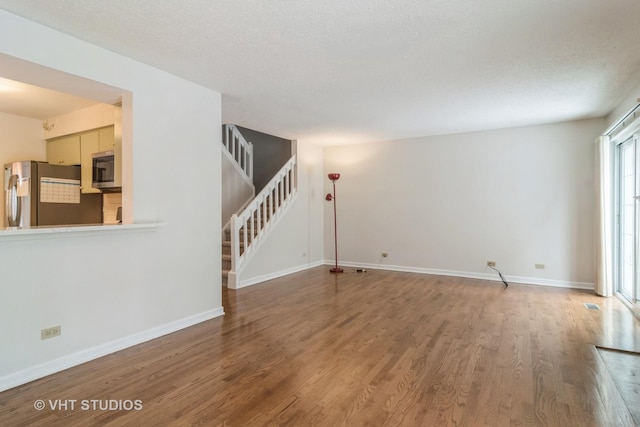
x,y
491,263
50,332
385,254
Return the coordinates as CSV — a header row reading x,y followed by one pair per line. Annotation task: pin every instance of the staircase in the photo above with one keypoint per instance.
x,y
240,150
251,225
227,244
226,255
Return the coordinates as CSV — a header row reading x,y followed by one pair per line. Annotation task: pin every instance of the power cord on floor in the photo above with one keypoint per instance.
x,y
506,285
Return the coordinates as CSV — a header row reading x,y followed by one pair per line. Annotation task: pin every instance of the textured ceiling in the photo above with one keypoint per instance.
x,y
337,71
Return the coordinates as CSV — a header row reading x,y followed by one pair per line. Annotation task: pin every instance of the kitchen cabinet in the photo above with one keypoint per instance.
x,y
64,150
89,144
77,150
107,140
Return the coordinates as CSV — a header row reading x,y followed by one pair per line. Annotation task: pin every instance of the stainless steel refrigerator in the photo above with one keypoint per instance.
x,y
41,194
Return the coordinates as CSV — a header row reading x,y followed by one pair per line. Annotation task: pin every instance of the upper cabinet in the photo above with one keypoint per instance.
x,y
107,139
89,144
93,142
72,139
64,150
77,150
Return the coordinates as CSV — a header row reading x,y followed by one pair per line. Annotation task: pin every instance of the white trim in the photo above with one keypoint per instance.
x,y
431,271
231,136
238,169
244,206
469,275
52,232
263,236
270,276
281,192
61,363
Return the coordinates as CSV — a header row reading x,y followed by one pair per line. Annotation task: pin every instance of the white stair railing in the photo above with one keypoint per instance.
x,y
240,150
250,226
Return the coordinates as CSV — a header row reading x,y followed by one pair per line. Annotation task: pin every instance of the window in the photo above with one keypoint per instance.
x,y
626,218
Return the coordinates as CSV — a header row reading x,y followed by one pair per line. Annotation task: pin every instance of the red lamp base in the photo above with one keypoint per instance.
x,y
336,270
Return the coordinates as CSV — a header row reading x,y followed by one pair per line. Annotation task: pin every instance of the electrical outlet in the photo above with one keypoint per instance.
x,y
50,332
491,263
539,266
385,254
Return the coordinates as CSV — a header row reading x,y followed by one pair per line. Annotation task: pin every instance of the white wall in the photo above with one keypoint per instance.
x,y
296,243
96,116
20,139
112,290
447,204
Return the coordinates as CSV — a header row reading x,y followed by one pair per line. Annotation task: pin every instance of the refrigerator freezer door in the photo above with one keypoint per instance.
x,y
18,194
13,203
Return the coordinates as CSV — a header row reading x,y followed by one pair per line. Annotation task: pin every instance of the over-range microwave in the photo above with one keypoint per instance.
x,y
104,175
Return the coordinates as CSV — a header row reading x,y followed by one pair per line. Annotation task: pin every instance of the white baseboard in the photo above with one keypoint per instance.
x,y
432,271
259,279
471,275
42,370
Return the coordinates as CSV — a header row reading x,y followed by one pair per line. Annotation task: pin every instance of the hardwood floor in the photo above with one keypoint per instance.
x,y
377,348
624,369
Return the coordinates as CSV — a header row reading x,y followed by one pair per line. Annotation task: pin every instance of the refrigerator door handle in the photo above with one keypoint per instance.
x,y
13,203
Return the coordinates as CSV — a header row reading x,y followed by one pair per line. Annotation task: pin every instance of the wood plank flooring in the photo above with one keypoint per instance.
x,y
361,349
624,369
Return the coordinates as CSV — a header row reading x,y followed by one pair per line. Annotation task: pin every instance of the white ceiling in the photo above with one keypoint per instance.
x,y
36,102
336,71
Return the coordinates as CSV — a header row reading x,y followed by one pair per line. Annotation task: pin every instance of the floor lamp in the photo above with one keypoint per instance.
x,y
334,177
